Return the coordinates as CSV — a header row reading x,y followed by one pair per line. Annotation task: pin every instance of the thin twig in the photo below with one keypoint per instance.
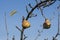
x,y
18,28
54,38
42,13
13,37
30,6
25,37
27,9
58,26
6,27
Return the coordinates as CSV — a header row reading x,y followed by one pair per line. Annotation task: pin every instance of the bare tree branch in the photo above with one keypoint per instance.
x,y
49,3
22,32
39,4
58,26
54,38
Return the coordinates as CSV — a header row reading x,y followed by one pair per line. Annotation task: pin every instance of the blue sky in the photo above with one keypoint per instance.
x,y
36,22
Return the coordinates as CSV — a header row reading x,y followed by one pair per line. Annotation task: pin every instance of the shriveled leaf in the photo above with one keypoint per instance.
x,y
13,12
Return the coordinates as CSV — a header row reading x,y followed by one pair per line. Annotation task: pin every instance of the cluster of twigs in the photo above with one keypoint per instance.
x,y
38,5
43,4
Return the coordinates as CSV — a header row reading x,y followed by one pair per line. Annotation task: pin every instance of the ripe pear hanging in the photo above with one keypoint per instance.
x,y
46,24
25,24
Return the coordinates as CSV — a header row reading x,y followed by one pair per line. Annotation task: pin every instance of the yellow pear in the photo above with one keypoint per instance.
x,y
25,24
45,26
47,22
